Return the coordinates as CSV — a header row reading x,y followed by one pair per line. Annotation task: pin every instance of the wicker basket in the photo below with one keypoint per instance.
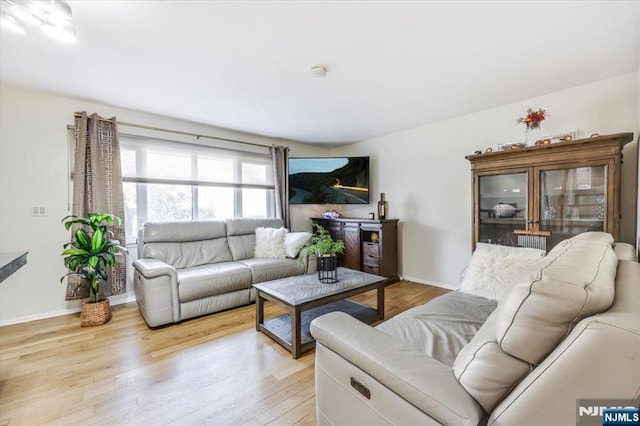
x,y
95,313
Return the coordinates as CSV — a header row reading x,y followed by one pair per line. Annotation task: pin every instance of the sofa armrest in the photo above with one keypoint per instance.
x,y
156,288
310,262
152,268
424,382
625,251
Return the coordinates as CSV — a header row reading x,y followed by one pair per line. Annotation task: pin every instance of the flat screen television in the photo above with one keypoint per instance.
x,y
329,180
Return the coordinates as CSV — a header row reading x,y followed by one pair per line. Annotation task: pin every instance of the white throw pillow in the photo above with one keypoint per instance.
x,y
270,243
494,268
294,241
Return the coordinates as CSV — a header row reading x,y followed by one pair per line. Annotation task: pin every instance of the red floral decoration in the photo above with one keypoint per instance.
x,y
533,118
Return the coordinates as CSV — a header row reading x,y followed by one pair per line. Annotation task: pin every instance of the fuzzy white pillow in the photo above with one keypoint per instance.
x,y
494,268
294,241
270,243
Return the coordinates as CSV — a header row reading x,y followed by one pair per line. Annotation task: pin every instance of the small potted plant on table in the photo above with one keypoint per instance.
x,y
89,255
326,249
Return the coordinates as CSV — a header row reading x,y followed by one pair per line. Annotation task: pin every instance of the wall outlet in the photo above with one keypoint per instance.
x,y
38,211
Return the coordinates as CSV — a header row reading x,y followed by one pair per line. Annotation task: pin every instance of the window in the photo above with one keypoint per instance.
x,y
176,181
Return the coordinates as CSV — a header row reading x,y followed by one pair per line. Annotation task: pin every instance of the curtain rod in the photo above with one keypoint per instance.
x,y
179,132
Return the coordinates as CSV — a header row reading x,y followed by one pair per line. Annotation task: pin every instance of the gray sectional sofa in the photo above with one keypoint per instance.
x,y
189,269
566,332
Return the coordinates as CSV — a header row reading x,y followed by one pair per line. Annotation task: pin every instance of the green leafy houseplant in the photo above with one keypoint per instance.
x,y
322,244
92,252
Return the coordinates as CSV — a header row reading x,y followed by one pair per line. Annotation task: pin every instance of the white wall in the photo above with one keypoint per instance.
x,y
33,172
427,180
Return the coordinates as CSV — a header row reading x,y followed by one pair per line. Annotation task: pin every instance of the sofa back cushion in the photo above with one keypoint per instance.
x,y
598,359
186,244
241,235
177,232
575,280
485,370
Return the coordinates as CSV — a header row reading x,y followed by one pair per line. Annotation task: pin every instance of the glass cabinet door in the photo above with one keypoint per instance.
x,y
572,201
502,201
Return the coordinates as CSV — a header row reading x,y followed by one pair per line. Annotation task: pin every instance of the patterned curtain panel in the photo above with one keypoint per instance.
x,y
280,156
97,187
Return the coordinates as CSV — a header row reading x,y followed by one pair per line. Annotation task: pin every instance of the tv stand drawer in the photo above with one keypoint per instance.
x,y
371,269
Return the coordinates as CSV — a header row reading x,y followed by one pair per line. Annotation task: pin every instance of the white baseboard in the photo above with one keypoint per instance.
x,y
59,313
132,298
433,283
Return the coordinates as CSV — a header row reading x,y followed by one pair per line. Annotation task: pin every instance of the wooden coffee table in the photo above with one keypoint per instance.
x,y
306,298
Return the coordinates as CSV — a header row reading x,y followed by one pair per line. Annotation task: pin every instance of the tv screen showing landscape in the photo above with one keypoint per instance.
x,y
335,180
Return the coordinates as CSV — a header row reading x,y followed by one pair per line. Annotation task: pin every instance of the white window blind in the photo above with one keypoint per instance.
x,y
166,180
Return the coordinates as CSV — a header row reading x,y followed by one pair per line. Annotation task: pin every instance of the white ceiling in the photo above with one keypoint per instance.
x,y
392,65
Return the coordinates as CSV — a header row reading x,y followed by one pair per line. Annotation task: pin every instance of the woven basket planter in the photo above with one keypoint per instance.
x,y
95,313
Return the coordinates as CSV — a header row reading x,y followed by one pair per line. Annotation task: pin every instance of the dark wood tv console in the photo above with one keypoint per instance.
x,y
370,245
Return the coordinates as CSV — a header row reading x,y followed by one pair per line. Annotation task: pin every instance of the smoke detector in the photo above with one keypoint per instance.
x,y
318,71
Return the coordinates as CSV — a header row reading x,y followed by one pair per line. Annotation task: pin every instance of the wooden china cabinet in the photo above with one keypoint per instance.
x,y
539,196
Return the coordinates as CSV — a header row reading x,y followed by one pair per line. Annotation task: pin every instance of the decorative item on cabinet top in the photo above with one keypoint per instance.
x,y
533,117
532,122
560,139
542,140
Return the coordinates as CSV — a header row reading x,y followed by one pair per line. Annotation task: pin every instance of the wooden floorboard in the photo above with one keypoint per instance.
x,y
214,370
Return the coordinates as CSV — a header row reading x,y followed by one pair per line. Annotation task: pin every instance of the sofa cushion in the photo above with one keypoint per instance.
x,y
575,280
273,269
270,243
494,268
167,232
242,246
294,241
185,244
241,235
595,237
208,280
190,253
442,327
245,226
485,370
625,251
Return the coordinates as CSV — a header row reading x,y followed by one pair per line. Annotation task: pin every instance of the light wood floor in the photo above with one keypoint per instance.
x,y
212,370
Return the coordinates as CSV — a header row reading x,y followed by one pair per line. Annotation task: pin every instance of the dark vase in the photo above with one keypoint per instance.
x,y
327,272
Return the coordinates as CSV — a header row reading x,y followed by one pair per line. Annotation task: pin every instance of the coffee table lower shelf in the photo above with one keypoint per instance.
x,y
279,328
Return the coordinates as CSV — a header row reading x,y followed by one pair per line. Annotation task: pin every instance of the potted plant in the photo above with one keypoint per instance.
x,y
89,255
326,249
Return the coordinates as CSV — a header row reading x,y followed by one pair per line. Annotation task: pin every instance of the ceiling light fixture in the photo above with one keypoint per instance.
x,y
52,16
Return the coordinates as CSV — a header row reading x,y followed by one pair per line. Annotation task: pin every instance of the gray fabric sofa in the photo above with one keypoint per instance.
x,y
189,269
566,330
